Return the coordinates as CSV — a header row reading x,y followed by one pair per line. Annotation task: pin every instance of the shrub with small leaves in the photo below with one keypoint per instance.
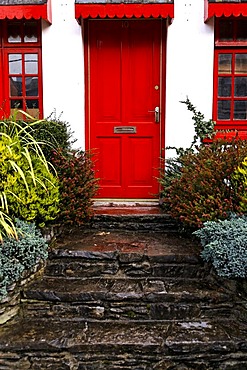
x,y
225,246
54,132
205,190
20,255
204,129
78,186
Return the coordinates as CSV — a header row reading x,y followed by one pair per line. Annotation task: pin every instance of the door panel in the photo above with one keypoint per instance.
x,y
141,149
109,164
124,86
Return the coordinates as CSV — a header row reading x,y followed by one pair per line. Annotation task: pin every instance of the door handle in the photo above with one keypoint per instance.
x,y
156,112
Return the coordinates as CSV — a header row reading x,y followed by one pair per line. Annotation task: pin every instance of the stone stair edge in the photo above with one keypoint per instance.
x,y
125,288
67,251
163,335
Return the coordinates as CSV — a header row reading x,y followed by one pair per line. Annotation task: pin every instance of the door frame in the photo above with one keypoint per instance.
x,y
85,34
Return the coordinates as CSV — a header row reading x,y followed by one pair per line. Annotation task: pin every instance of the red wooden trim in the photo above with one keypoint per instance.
x,y
26,11
124,10
163,91
224,9
85,29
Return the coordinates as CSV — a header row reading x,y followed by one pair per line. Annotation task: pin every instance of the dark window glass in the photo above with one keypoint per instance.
x,y
14,32
31,86
30,32
224,109
15,86
240,86
225,30
16,104
240,109
241,34
32,104
224,86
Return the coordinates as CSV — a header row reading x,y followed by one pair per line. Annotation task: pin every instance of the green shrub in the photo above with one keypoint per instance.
x,y
240,176
19,255
32,191
205,190
78,186
225,245
56,133
50,133
204,129
41,202
28,189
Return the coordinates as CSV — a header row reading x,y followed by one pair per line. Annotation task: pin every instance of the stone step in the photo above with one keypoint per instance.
x,y
127,299
88,253
143,220
41,344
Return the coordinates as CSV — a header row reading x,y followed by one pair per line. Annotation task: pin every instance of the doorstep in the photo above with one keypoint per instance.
x,y
127,207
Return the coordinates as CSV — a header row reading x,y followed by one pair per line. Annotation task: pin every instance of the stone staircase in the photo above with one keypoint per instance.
x,y
126,299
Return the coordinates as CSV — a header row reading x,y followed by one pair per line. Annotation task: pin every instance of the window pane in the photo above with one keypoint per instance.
x,y
30,32
32,104
224,109
241,30
224,86
16,104
31,86
14,32
240,109
225,30
15,64
240,86
31,63
241,63
225,63
15,86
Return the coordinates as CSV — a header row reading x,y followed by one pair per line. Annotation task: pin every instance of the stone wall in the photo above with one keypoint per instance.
x,y
10,305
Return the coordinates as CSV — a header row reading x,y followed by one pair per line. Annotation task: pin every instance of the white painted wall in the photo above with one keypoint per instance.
x,y
190,51
63,68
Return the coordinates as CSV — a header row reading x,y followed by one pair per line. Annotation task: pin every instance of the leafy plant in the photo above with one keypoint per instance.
x,y
41,202
51,133
25,177
204,129
240,176
54,132
78,185
19,255
205,190
225,245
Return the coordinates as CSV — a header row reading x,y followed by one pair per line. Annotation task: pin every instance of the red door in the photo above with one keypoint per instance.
x,y
124,90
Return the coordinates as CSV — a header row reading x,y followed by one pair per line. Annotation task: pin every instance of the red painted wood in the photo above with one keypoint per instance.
x,y
27,11
2,105
121,10
224,9
124,68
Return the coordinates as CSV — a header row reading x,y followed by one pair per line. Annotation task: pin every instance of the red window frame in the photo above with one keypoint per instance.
x,y
22,48
1,78
230,45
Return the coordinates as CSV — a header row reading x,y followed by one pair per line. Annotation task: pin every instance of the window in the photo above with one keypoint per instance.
x,y
230,78
21,85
